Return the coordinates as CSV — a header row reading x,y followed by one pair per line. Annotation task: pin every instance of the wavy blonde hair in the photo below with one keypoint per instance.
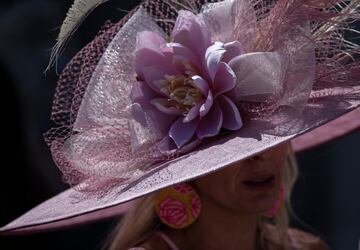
x,y
141,222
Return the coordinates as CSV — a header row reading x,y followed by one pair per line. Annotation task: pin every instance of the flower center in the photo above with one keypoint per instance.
x,y
182,92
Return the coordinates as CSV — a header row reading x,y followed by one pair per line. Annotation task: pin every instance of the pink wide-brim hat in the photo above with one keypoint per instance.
x,y
301,86
45,218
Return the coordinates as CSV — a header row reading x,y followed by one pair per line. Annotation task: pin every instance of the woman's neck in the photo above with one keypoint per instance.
x,y
218,228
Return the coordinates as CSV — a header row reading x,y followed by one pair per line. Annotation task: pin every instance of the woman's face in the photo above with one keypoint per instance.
x,y
250,186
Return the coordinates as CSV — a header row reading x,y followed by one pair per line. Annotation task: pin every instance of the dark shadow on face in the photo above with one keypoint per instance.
x,y
249,186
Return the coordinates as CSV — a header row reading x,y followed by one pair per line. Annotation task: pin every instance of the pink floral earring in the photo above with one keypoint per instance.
x,y
178,206
271,213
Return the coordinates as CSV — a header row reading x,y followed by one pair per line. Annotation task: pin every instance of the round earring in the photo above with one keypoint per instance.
x,y
178,206
271,213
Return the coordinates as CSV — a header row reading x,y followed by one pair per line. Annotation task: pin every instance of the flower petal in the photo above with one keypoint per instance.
x,y
152,75
168,146
141,93
189,32
151,117
182,132
225,79
213,56
146,113
159,120
231,115
148,52
162,104
233,49
201,84
145,58
150,40
193,113
149,58
210,125
187,54
167,51
205,108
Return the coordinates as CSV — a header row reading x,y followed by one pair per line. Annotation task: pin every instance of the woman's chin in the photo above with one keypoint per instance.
x,y
261,204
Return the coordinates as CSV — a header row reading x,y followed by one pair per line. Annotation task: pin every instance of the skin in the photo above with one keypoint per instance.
x,y
230,209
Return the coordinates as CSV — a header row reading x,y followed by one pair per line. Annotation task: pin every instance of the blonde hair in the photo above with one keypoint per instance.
x,y
281,220
139,223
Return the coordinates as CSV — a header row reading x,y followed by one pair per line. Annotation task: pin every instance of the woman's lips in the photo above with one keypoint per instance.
x,y
260,182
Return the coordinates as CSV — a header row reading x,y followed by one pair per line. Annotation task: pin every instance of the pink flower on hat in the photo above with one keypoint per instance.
x,y
183,84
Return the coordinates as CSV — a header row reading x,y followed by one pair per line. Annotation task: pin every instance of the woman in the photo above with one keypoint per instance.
x,y
204,93
241,208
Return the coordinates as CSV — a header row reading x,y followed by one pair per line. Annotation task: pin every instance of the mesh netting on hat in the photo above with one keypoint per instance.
x,y
97,150
70,91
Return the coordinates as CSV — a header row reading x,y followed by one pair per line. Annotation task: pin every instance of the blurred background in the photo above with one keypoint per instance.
x,y
326,197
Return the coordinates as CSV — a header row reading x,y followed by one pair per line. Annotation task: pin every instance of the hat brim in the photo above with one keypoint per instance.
x,y
70,208
329,131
